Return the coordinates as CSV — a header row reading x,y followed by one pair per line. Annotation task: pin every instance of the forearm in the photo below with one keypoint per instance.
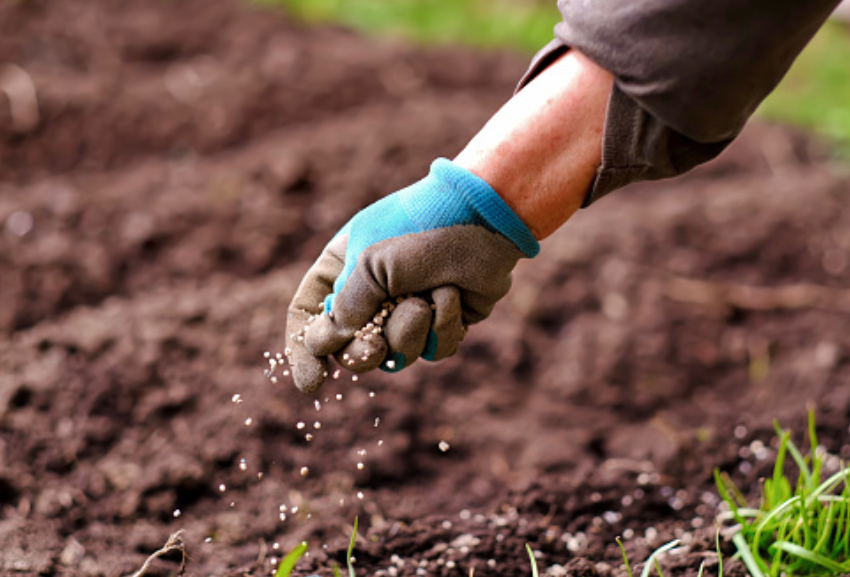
x,y
541,150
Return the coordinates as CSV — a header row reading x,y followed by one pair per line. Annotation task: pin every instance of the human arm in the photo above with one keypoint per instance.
x,y
519,178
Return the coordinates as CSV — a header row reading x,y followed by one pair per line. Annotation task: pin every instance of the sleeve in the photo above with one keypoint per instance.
x,y
688,73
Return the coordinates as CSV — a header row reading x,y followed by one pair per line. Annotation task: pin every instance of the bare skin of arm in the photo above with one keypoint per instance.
x,y
541,150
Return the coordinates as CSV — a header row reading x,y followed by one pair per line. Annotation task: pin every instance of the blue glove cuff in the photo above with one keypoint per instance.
x,y
480,204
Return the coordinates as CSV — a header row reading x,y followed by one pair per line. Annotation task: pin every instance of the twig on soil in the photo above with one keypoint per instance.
x,y
175,543
789,297
261,556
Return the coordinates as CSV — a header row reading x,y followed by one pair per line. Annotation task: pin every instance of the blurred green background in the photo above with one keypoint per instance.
x,y
815,94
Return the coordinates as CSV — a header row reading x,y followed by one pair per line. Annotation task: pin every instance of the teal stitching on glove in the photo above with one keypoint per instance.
x,y
448,240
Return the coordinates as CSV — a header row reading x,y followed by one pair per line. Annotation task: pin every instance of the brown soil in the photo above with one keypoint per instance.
x,y
191,159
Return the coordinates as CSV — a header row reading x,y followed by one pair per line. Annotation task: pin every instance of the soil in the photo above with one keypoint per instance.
x,y
188,162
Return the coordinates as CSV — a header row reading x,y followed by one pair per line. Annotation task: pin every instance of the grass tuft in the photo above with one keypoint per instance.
x,y
802,529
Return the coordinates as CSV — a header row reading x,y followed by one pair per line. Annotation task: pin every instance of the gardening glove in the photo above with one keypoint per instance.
x,y
405,277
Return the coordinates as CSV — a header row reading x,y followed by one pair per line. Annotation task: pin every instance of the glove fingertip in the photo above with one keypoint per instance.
x,y
322,338
309,373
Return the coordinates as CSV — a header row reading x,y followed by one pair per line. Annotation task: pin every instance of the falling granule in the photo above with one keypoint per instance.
x,y
339,396
286,373
294,509
248,421
342,502
371,394
377,421
354,378
380,442
390,364
444,446
208,540
283,516
267,354
318,404
361,452
259,475
237,398
222,487
360,495
336,374
304,472
309,436
273,560
177,512
274,379
276,546
317,425
278,356
233,503
243,466
300,425
360,465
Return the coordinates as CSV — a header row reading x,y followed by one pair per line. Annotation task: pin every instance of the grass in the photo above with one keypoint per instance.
x,y
815,94
802,529
652,560
534,572
521,24
288,563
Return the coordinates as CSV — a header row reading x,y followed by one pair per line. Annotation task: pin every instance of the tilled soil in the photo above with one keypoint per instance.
x,y
189,161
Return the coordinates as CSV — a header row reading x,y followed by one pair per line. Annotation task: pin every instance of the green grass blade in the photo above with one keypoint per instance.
x,y
774,493
747,556
801,462
723,483
702,568
812,557
348,558
647,567
827,486
766,526
817,460
288,564
625,557
533,560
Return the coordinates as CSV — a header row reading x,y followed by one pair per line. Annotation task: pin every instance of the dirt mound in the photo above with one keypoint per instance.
x,y
191,159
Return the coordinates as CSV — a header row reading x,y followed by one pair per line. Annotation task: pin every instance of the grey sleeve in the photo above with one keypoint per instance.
x,y
688,73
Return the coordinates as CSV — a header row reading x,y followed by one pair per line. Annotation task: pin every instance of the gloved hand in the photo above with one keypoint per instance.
x,y
405,277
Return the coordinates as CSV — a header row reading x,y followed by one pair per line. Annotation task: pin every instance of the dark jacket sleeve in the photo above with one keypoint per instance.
x,y
688,73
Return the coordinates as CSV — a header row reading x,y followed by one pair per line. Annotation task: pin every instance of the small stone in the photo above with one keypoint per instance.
x,y
72,554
